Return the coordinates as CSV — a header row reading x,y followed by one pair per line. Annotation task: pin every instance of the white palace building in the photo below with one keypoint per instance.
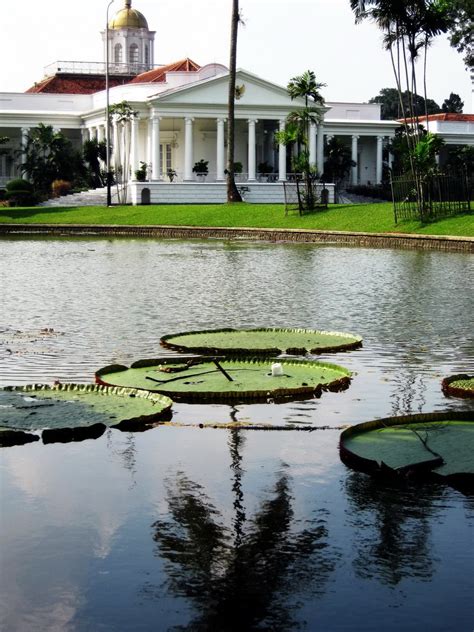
x,y
182,109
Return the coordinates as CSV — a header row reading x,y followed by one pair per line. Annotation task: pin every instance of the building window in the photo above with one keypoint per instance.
x,y
118,53
134,54
166,152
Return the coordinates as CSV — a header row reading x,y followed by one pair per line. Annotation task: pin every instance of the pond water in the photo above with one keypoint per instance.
x,y
188,528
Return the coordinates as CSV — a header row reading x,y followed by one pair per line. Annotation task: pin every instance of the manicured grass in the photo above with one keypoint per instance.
x,y
372,218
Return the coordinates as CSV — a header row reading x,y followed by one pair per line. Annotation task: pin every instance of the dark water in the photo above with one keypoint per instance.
x,y
182,528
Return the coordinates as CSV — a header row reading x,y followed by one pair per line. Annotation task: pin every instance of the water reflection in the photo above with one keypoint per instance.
x,y
392,525
245,576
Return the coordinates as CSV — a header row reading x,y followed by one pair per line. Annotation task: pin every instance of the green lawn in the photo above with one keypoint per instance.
x,y
373,218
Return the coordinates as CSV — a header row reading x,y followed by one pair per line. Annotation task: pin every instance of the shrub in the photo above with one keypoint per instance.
x,y
3,194
60,187
19,185
22,198
379,192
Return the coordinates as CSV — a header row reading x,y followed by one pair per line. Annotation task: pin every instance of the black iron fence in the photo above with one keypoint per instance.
x,y
428,198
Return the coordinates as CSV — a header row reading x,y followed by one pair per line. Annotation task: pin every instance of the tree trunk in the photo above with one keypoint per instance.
x,y
233,194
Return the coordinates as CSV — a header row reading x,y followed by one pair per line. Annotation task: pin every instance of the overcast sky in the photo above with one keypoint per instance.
x,y
280,39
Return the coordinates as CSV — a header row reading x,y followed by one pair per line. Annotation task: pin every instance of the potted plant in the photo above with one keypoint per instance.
x,y
141,173
201,168
171,173
264,170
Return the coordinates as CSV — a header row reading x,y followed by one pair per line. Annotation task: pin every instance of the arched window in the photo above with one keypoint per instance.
x,y
147,56
118,53
134,54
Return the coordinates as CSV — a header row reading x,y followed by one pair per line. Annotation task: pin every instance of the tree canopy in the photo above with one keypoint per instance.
x,y
461,28
453,104
391,107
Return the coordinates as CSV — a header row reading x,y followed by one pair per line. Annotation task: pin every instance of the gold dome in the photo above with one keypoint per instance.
x,y
128,18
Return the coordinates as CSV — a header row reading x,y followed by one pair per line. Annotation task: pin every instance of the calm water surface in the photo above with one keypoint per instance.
x,y
181,528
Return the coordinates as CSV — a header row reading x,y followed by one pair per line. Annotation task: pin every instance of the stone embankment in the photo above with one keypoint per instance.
x,y
372,240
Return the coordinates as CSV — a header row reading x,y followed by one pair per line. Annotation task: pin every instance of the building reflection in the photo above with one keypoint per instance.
x,y
245,575
392,528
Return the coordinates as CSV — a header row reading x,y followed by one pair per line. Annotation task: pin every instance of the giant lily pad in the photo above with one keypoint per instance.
x,y
438,444
461,385
227,380
261,341
70,412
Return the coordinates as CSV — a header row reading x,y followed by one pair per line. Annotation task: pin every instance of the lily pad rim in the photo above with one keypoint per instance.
x,y
365,464
457,391
355,341
206,397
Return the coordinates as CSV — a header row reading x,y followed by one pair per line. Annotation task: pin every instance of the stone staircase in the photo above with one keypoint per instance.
x,y
93,197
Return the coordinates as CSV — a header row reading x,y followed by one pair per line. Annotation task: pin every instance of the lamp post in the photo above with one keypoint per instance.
x,y
107,107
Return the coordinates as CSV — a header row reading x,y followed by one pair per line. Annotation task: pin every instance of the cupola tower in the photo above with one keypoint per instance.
x,y
131,43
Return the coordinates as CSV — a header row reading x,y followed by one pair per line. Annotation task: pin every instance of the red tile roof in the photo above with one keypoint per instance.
x,y
445,117
76,84
159,74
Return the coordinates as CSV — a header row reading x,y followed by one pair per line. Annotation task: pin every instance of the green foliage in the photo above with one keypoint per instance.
x,y
20,192
338,161
49,156
122,112
201,167
264,167
18,184
453,104
141,173
391,108
93,152
461,158
305,86
425,152
461,28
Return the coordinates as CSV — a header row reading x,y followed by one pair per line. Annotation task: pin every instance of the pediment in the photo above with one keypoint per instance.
x,y
255,92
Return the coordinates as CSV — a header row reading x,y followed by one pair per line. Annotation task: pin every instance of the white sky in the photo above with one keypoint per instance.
x,y
281,38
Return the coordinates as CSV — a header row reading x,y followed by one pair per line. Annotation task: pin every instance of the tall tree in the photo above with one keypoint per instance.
x,y
122,114
297,126
409,27
453,104
461,28
233,194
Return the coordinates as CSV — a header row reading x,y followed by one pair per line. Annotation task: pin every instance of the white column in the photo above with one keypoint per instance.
x,y
24,139
134,145
115,148
378,164
320,150
155,148
354,156
84,134
188,148
93,133
100,133
220,149
312,143
252,166
282,155
149,145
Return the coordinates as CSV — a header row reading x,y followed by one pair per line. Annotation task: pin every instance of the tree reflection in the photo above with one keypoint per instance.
x,y
243,577
392,525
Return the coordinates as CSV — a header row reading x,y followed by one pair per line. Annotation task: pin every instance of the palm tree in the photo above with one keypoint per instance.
x,y
297,127
305,86
409,27
237,578
233,194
